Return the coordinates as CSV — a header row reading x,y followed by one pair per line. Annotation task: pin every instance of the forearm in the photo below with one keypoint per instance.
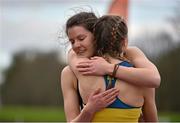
x,y
137,76
85,116
149,109
150,114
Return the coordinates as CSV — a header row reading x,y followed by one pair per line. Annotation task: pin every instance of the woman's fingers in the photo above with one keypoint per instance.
x,y
94,58
109,91
87,73
82,65
101,100
110,102
83,69
111,96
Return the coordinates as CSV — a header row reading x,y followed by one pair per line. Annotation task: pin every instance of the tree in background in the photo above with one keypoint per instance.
x,y
33,79
168,98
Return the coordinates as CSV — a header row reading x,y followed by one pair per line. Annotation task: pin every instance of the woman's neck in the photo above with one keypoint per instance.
x,y
112,60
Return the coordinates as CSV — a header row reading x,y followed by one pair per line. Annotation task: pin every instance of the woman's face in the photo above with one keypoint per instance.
x,y
82,41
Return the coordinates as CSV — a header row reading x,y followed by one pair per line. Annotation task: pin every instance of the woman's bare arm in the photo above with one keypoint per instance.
x,y
149,109
97,100
144,74
151,74
71,102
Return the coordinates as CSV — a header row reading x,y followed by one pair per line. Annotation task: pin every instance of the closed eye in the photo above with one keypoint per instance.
x,y
81,37
72,41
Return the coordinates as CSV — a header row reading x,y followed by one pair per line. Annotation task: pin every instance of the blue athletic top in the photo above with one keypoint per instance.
x,y
117,103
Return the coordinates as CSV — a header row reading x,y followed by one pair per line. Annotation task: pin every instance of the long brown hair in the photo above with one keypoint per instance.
x,y
85,19
110,32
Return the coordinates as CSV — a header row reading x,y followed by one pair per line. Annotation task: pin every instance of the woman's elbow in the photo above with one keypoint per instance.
x,y
156,81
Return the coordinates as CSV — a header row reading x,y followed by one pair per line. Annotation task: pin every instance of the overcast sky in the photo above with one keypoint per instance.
x,y
27,24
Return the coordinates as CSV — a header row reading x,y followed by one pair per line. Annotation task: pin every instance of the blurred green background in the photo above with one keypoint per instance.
x,y
32,56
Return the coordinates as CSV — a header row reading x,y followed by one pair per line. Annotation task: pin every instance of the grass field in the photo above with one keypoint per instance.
x,y
30,114
54,114
169,116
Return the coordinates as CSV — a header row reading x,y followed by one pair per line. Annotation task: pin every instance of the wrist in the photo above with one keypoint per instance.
x,y
86,115
110,69
89,110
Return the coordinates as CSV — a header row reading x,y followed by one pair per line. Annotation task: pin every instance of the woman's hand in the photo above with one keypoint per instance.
x,y
95,66
100,100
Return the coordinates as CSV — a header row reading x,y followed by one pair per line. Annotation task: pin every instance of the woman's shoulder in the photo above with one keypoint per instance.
x,y
67,71
132,49
68,76
132,53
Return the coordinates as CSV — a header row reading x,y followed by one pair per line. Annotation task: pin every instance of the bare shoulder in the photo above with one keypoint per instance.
x,y
66,70
133,52
138,58
68,76
133,49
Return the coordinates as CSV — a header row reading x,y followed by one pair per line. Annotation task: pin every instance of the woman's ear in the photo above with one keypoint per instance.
x,y
124,45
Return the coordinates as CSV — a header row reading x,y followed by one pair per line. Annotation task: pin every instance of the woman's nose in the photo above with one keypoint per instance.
x,y
77,44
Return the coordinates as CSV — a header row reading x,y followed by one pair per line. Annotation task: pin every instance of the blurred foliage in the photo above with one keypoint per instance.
x,y
163,49
33,79
175,20
169,68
